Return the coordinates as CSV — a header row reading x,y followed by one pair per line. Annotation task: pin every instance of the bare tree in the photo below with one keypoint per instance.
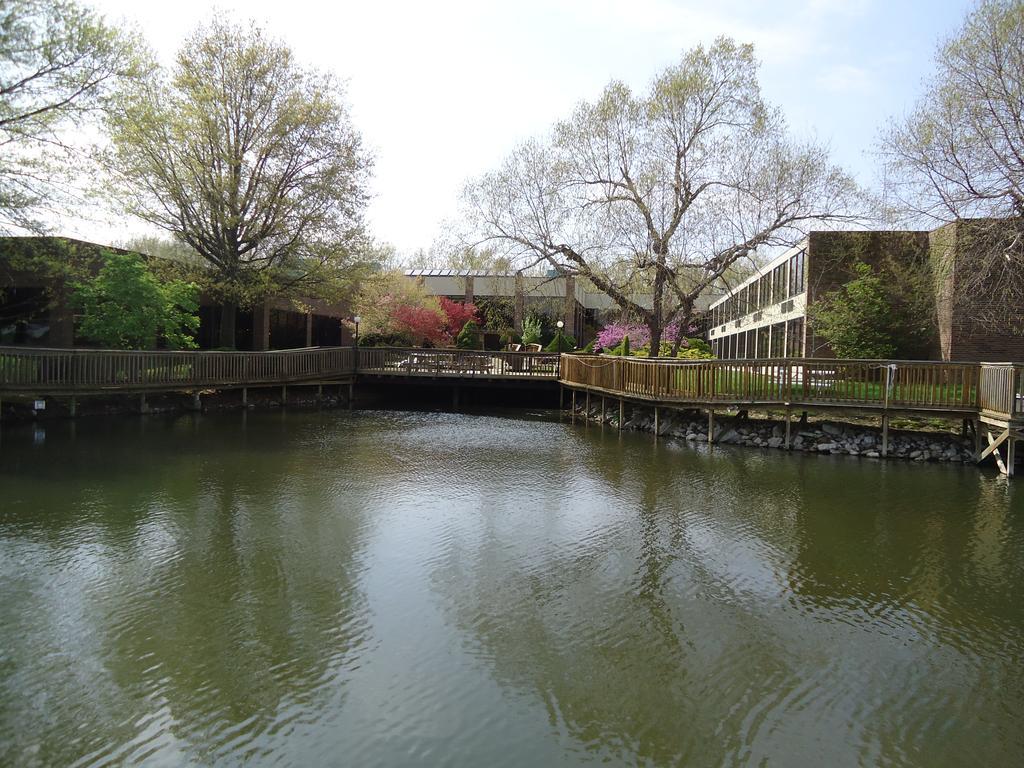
x,y
959,155
57,64
250,160
663,191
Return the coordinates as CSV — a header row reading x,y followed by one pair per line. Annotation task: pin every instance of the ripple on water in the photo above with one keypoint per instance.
x,y
385,588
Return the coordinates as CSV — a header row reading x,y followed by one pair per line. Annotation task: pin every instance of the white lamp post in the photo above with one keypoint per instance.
x,y
356,320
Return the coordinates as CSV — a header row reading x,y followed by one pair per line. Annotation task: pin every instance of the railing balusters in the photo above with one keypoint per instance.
x,y
918,385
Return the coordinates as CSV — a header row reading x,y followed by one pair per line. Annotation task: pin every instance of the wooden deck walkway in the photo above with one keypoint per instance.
x,y
54,372
458,364
44,372
991,395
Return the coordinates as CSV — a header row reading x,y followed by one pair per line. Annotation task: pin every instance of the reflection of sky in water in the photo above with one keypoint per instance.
x,y
385,589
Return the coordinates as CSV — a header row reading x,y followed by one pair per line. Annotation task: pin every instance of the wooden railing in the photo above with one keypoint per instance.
x,y
460,363
81,370
995,389
1002,389
960,387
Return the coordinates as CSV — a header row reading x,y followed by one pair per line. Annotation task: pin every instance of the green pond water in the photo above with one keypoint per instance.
x,y
394,588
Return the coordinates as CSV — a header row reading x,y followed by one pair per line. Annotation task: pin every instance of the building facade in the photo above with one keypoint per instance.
x,y
766,316
36,308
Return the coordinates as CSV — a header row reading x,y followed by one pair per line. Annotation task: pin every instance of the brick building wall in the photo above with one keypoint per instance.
x,y
963,336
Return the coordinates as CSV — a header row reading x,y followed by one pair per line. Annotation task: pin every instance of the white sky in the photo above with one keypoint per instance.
x,y
442,91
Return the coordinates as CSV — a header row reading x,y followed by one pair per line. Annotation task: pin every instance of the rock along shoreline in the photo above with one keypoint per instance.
x,y
822,437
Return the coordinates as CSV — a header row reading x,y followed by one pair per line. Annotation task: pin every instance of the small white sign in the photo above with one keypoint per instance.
x,y
40,405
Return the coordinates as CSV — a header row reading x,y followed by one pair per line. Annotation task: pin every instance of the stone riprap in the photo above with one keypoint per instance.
x,y
828,437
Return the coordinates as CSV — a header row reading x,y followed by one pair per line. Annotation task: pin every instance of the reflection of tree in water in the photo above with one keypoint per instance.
x,y
223,603
600,627
893,533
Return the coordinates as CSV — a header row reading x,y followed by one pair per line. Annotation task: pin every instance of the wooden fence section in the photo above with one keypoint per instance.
x,y
1002,390
457,363
882,384
82,370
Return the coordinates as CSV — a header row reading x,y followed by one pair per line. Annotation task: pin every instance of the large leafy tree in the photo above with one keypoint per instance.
x,y
249,159
959,154
662,192
126,306
58,62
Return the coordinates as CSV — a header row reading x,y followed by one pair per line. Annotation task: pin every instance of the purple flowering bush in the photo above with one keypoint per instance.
x,y
639,336
611,335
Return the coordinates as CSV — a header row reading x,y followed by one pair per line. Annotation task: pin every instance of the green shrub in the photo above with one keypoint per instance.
x,y
693,353
697,345
469,336
532,329
126,306
690,349
384,340
622,350
587,350
562,343
645,350
856,318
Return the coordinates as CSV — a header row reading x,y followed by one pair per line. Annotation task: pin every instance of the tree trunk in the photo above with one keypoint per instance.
x,y
683,317
655,328
677,341
656,319
228,311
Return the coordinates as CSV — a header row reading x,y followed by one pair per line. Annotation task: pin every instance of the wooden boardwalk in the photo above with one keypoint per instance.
x,y
41,372
991,395
53,372
458,364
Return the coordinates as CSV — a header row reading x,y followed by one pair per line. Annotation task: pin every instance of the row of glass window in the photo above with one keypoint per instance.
x,y
781,283
769,341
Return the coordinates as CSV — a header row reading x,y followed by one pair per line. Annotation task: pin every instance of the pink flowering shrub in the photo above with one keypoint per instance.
x,y
457,314
421,325
611,335
639,336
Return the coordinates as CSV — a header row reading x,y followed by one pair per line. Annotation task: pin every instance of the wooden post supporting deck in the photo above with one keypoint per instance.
x,y
587,414
656,422
993,447
284,395
143,405
711,425
73,407
351,394
245,396
573,413
622,412
1010,436
789,427
602,410
196,404
885,435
